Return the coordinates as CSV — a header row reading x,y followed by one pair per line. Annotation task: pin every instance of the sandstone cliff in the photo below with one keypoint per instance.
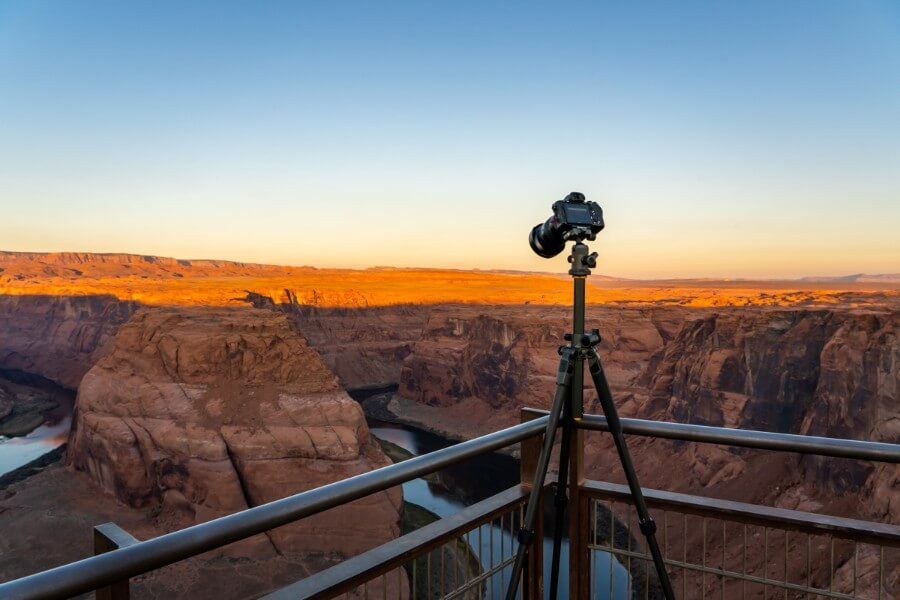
x,y
818,372
493,362
364,347
58,337
203,412
6,402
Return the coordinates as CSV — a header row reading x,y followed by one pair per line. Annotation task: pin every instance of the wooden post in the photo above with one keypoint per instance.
x,y
533,572
109,537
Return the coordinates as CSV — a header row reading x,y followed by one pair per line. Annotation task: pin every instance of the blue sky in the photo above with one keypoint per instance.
x,y
722,139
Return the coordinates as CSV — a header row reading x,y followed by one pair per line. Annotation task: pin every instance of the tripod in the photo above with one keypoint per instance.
x,y
567,403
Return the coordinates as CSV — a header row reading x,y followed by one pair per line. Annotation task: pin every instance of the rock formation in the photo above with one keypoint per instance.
x,y
818,372
506,358
364,347
6,402
203,412
58,337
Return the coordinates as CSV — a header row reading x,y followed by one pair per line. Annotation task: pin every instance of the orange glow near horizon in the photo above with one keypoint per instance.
x,y
169,282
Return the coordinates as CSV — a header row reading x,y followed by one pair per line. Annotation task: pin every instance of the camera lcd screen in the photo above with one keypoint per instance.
x,y
578,214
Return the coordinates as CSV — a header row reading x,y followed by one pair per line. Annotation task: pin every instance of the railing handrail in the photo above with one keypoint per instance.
x,y
747,438
95,572
353,572
869,532
91,573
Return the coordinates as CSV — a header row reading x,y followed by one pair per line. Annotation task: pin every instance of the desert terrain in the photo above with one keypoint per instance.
x,y
207,386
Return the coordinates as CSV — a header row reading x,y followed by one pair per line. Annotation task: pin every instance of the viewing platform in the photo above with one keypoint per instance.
x,y
713,548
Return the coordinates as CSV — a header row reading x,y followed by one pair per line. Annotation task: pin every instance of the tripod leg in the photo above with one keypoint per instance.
x,y
526,532
561,500
647,526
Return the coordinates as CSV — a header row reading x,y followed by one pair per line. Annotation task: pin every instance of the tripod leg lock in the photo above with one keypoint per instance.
x,y
525,536
564,372
648,527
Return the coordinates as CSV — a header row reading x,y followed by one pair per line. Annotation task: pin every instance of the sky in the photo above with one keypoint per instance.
x,y
722,139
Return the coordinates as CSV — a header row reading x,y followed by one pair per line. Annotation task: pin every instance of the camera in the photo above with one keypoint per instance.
x,y
573,219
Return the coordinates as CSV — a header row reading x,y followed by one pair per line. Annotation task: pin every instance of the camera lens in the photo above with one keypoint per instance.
x,y
546,239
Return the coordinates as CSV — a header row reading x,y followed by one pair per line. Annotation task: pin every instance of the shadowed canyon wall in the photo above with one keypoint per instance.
x,y
826,372
819,372
58,337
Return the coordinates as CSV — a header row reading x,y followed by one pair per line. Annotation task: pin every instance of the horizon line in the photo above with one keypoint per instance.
x,y
847,278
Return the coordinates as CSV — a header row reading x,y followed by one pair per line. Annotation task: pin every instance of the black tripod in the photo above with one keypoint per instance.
x,y
567,400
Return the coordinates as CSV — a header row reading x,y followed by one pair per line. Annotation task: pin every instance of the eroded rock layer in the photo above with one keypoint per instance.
x,y
818,372
58,337
203,412
831,373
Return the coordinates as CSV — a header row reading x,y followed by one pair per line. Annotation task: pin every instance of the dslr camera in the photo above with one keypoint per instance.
x,y
573,219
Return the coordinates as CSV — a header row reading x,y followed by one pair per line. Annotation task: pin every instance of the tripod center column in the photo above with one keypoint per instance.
x,y
579,554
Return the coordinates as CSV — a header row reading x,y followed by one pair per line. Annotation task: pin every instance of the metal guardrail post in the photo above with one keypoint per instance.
x,y
533,573
109,537
579,552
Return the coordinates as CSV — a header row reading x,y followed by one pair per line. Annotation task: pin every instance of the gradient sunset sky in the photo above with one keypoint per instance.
x,y
736,139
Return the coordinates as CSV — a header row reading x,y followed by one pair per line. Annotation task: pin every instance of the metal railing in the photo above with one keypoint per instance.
x,y
118,565
437,557
396,569
724,549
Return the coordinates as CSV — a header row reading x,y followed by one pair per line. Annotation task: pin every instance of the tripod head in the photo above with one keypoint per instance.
x,y
582,262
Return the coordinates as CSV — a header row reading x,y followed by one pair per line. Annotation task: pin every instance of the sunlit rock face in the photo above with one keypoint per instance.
x,y
203,412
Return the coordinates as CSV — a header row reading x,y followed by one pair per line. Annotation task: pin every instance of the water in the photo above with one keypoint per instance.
x,y
16,452
474,480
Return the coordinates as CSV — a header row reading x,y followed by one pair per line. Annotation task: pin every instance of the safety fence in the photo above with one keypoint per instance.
x,y
714,548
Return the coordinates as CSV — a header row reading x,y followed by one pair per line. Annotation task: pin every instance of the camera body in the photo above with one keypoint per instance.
x,y
574,211
573,218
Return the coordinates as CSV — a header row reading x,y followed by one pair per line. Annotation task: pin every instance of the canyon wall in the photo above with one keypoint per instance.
x,y
494,362
818,372
826,373
58,337
203,412
363,346
831,373
6,402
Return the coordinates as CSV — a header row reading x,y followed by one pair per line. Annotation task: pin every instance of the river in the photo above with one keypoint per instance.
x,y
16,452
474,480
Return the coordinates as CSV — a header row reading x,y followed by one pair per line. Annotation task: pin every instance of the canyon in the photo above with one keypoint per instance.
x,y
208,386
